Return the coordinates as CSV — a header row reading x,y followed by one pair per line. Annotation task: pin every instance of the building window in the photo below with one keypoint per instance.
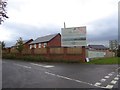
x,y
34,45
45,44
39,45
30,46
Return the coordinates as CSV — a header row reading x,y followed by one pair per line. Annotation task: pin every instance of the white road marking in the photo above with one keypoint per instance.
x,y
110,74
118,75
45,66
97,84
67,78
109,86
118,68
107,76
103,80
113,82
48,66
36,64
22,65
116,78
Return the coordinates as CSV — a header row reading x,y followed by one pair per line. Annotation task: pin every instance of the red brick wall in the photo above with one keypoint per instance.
x,y
26,45
55,42
37,45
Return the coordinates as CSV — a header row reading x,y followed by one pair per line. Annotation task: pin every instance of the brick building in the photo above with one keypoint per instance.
x,y
98,51
98,47
26,43
53,40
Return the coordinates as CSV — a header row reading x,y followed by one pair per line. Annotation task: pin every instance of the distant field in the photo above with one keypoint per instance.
x,y
113,60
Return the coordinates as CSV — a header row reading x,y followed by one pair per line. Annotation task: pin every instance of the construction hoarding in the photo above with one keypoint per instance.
x,y
73,37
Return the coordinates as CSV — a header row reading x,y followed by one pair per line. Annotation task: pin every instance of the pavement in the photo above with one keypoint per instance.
x,y
21,74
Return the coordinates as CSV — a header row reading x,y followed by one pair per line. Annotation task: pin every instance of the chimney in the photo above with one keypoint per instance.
x,y
64,25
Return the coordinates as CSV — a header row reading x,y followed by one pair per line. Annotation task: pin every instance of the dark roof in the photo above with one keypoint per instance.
x,y
97,46
25,41
86,47
44,38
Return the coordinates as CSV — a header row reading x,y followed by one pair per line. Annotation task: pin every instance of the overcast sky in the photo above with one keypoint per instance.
x,y
34,18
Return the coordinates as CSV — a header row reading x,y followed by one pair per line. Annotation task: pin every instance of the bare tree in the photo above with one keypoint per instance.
x,y
3,4
3,45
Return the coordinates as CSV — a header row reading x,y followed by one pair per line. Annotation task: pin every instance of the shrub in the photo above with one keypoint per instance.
x,y
37,58
118,51
9,56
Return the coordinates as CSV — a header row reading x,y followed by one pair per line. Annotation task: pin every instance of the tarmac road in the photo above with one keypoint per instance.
x,y
20,74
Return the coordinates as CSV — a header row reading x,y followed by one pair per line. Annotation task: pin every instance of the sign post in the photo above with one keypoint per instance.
x,y
74,37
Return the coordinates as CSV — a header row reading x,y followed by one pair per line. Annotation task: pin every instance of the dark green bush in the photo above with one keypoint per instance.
x,y
33,58
36,58
118,51
9,56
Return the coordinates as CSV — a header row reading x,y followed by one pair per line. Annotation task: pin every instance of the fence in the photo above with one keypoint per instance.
x,y
96,54
64,53
99,53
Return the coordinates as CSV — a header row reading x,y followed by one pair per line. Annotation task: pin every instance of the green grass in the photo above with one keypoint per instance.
x,y
112,60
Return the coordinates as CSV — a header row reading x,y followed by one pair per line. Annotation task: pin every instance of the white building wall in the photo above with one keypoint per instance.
x,y
95,54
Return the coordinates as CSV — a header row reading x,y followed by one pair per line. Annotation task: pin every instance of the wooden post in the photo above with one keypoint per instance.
x,y
48,52
32,51
65,52
83,53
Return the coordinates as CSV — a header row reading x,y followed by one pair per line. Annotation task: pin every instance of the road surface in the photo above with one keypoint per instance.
x,y
21,74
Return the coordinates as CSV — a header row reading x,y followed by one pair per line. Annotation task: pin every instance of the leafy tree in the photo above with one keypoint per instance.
x,y
3,4
19,45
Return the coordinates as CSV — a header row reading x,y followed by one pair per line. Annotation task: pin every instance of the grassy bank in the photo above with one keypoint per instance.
x,y
36,58
112,60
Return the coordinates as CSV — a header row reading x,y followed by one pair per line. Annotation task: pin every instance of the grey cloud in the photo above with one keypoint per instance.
x,y
104,29
28,31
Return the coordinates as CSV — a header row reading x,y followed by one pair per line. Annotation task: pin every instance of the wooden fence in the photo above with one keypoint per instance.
x,y
64,53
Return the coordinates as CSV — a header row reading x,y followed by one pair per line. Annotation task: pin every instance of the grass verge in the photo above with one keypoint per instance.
x,y
112,60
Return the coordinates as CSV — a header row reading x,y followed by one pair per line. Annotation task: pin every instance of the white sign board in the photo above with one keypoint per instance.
x,y
87,60
75,36
96,54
